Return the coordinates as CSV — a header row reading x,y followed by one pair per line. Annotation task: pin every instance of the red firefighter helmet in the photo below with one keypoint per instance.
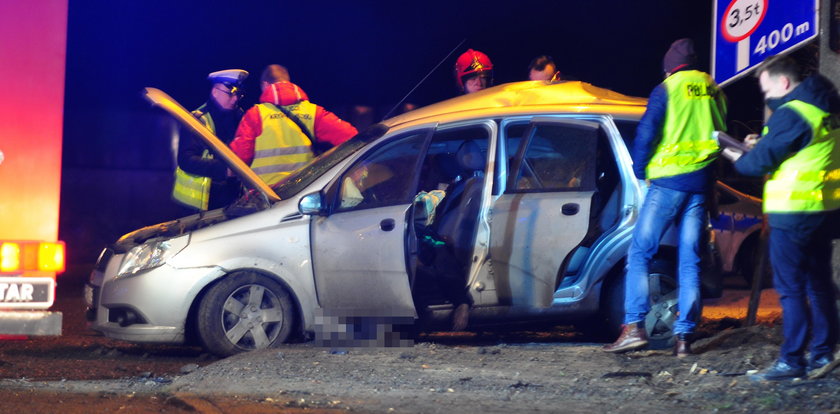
x,y
472,62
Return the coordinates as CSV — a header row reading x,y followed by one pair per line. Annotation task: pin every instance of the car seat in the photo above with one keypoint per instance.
x,y
456,216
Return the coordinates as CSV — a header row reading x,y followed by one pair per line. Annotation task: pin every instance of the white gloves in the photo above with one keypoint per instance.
x,y
731,154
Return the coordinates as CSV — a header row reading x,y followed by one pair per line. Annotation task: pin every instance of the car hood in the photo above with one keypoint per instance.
x,y
248,177
168,230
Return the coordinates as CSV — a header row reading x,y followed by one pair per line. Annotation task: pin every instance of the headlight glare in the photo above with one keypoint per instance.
x,y
151,255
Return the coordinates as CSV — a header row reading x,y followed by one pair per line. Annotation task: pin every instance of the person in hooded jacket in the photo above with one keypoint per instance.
x,y
673,151
799,147
202,181
277,135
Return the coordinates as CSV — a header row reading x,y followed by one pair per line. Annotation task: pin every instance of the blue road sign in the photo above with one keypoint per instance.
x,y
748,31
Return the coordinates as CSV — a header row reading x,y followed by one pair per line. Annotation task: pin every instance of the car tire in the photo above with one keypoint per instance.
x,y
612,309
243,312
659,322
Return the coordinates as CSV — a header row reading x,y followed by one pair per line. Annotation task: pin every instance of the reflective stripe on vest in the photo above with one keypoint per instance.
x,y
808,181
189,189
694,111
282,147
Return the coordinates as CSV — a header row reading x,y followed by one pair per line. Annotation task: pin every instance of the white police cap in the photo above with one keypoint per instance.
x,y
230,76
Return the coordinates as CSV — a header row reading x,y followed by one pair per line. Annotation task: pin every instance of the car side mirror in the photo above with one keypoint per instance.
x,y
311,204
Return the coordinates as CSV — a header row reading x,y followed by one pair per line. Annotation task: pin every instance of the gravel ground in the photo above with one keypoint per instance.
x,y
529,371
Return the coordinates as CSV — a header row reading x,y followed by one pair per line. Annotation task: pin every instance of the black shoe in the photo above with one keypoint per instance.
x,y
778,372
820,362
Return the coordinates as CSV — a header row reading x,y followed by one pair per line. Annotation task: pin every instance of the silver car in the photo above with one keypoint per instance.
x,y
542,203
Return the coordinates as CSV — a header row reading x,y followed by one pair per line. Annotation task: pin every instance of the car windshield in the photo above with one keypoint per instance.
x,y
301,178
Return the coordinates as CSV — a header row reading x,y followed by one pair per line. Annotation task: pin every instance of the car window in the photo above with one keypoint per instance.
x,y
627,130
556,157
384,176
302,177
441,165
513,136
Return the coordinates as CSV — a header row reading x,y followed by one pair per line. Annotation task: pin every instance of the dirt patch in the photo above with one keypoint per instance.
x,y
551,370
450,372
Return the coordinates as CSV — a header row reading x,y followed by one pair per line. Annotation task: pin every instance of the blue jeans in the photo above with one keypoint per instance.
x,y
802,277
662,208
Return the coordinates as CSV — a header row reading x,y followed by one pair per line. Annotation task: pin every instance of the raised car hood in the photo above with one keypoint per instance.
x,y
248,177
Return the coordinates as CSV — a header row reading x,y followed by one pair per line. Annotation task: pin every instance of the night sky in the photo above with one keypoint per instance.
x,y
349,52
117,152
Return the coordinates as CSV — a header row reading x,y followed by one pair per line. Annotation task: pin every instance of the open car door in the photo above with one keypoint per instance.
x,y
544,212
359,248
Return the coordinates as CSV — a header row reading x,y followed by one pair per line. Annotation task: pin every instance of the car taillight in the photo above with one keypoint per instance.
x,y
16,257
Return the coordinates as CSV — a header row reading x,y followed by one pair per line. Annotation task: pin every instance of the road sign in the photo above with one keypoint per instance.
x,y
748,31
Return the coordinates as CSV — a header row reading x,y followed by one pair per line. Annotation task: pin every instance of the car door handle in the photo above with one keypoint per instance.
x,y
387,224
570,209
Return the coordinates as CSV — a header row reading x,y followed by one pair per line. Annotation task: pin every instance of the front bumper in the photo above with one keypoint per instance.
x,y
151,307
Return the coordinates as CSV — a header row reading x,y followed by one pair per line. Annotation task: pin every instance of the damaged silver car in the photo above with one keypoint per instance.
x,y
538,205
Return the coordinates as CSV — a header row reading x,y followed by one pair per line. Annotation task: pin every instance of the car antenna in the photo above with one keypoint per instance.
x,y
424,79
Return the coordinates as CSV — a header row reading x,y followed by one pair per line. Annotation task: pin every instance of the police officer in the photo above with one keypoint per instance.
x,y
800,148
201,181
473,71
673,150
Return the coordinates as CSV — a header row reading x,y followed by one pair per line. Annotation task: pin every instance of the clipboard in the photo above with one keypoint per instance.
x,y
727,141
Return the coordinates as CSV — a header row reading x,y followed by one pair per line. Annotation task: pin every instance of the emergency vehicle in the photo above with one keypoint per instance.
x,y
31,116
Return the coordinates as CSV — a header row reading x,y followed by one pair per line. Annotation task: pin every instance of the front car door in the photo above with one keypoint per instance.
x,y
359,248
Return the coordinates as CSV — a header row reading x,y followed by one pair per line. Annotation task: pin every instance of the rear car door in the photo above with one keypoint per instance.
x,y
543,212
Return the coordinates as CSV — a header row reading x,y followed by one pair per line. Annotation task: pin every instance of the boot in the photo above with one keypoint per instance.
x,y
460,317
633,336
682,347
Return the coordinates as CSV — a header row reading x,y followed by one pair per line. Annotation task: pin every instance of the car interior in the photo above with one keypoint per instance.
x,y
454,167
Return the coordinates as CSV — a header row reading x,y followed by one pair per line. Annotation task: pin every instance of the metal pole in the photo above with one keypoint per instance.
x,y
758,274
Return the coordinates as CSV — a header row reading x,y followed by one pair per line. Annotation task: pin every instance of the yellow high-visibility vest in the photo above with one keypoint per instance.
x,y
694,111
808,181
281,147
189,189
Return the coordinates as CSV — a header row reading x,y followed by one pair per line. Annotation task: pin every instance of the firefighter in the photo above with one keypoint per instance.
x,y
473,71
201,181
800,148
276,136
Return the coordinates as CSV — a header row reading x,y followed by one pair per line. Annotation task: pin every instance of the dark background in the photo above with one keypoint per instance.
x,y
117,156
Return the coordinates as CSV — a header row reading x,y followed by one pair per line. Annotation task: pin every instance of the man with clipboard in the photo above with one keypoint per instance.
x,y
799,147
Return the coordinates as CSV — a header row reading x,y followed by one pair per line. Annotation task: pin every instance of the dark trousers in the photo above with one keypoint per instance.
x,y
802,277
439,265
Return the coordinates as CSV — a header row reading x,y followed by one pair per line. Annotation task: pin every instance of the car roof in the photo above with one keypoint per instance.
x,y
527,97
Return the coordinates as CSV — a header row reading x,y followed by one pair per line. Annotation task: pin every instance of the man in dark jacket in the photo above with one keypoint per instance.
x,y
674,151
800,148
201,181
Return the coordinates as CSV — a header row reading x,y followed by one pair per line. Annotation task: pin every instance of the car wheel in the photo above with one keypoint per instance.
x,y
245,311
659,322
612,310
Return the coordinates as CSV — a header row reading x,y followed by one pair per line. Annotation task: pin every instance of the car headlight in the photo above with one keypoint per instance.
x,y
151,255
